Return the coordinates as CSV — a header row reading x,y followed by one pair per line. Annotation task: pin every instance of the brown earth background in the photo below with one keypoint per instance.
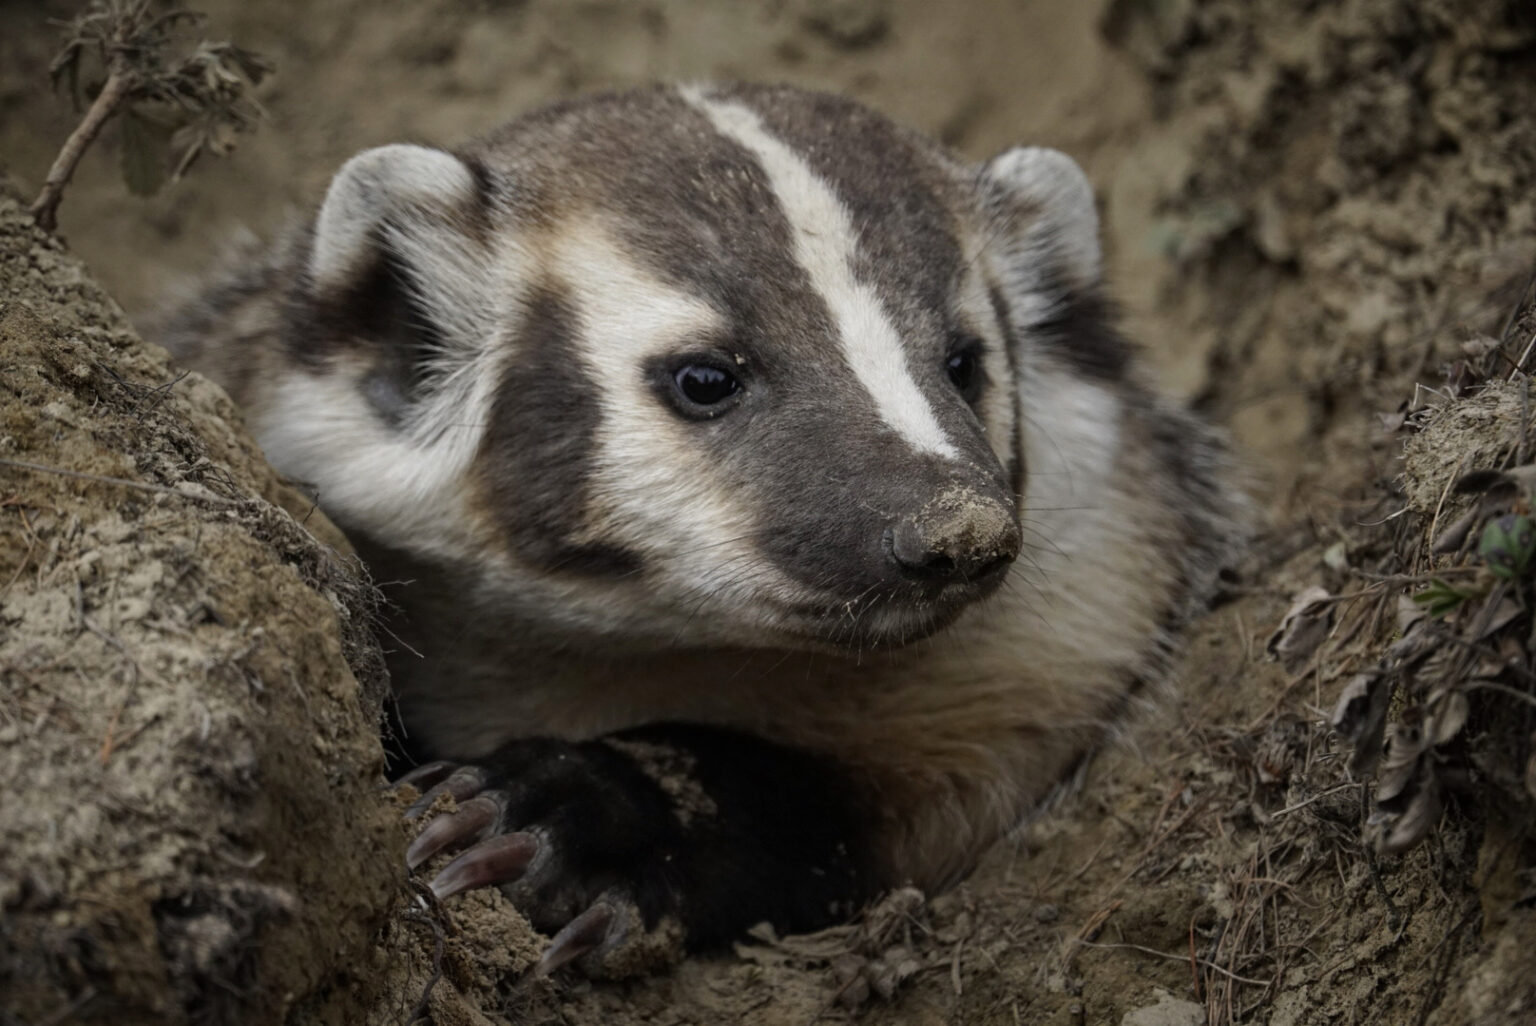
x,y
1309,208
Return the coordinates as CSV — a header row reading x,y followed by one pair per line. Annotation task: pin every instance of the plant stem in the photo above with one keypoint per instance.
x,y
45,208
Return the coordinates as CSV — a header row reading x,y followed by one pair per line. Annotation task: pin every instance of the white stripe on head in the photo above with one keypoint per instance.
x,y
824,247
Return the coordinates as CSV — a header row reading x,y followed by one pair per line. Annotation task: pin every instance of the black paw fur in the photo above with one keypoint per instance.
x,y
582,841
598,841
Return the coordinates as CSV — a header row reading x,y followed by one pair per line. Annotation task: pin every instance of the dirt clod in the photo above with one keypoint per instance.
x,y
192,827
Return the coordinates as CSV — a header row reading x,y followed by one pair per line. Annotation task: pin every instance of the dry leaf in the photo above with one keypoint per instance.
x,y
1448,711
1409,613
1392,832
1455,535
1361,716
887,973
889,918
1400,753
1302,630
1491,620
146,148
1436,669
1422,637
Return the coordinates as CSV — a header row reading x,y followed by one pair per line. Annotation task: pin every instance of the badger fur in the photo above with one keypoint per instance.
x,y
780,517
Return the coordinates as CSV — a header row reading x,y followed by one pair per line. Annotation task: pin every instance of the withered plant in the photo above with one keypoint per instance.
x,y
177,96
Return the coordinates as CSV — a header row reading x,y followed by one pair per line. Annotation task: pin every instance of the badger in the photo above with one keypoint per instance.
x,y
777,515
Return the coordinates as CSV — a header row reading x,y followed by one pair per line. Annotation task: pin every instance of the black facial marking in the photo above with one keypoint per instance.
x,y
539,447
802,439
704,213
380,315
1081,332
1016,468
896,186
964,367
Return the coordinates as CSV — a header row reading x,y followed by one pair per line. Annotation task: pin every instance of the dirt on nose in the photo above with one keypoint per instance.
x,y
961,519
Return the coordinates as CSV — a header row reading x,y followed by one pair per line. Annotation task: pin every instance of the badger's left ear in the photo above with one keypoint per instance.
x,y
1044,227
399,263
401,198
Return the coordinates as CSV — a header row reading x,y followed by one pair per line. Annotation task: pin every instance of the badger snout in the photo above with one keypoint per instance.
x,y
893,549
959,536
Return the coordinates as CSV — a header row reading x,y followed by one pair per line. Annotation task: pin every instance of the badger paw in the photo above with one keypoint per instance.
x,y
575,834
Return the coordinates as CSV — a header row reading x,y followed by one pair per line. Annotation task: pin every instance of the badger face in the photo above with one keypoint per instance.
x,y
735,367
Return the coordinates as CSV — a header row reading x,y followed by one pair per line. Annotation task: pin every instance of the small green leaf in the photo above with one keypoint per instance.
x,y
1440,598
146,152
1508,544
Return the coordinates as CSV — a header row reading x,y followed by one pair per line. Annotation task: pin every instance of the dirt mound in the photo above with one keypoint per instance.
x,y
193,827
1356,187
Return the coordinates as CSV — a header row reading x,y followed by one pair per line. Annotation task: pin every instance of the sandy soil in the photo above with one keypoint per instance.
x,y
189,689
1311,209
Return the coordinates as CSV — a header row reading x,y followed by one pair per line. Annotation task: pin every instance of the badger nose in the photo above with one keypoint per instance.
x,y
955,538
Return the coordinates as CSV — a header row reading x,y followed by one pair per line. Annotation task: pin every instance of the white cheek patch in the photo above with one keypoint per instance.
x,y
1071,440
655,491
403,484
825,247
319,430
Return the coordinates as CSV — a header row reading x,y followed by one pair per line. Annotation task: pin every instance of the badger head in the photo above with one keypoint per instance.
x,y
701,367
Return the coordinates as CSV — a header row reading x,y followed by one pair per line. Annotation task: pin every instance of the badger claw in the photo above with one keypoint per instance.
x,y
452,830
583,934
578,838
426,775
463,783
502,859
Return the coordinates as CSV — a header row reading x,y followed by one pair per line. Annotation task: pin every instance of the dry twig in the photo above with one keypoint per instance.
x,y
173,95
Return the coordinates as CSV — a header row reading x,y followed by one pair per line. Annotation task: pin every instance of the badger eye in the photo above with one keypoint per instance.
x,y
964,369
704,385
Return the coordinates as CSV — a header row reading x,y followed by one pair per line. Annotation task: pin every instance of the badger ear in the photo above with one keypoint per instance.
x,y
1045,257
398,263
402,198
1046,217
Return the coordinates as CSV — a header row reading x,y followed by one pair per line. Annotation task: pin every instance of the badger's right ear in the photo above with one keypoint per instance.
x,y
1046,261
1044,221
398,263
